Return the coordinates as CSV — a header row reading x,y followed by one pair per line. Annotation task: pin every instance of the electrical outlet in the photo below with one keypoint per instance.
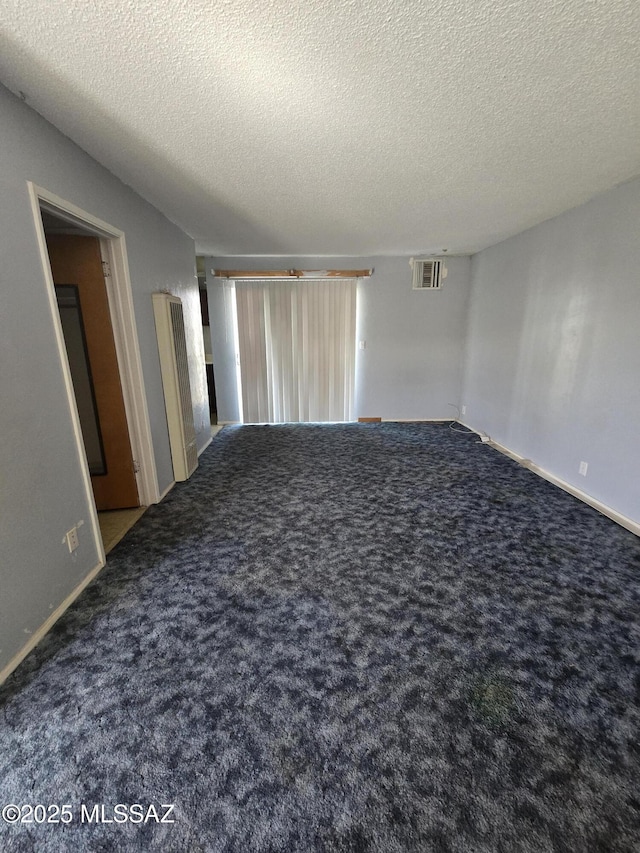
x,y
583,468
72,539
463,410
363,344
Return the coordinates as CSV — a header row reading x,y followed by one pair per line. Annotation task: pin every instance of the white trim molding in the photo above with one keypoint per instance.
x,y
35,195
166,491
114,251
204,446
130,363
48,624
623,520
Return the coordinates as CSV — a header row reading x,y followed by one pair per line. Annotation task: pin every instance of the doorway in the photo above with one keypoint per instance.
x,y
100,395
81,295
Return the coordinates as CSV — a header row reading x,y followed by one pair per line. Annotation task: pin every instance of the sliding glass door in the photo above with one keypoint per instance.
x,y
297,349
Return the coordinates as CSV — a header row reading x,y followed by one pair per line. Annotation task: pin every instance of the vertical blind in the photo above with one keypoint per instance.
x,y
297,349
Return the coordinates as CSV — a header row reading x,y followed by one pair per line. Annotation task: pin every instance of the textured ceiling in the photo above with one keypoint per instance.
x,y
336,126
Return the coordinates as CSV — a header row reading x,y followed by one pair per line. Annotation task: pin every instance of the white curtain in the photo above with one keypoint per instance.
x,y
297,349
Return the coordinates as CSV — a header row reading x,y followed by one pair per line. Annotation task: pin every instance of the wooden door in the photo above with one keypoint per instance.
x,y
76,264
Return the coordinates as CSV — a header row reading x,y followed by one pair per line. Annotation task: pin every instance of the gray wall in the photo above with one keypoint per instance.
x,y
412,364
552,363
41,490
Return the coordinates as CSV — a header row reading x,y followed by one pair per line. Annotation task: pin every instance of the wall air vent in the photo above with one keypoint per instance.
x,y
427,273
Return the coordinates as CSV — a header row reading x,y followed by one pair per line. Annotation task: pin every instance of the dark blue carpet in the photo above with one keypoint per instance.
x,y
343,638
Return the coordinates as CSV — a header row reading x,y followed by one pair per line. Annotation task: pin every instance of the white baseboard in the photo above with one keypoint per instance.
x,y
204,447
382,420
614,515
415,420
166,491
48,624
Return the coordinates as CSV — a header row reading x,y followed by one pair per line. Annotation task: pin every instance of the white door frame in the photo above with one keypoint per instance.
x,y
118,285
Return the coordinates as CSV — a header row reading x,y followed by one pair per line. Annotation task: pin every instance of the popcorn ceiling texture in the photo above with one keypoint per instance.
x,y
340,127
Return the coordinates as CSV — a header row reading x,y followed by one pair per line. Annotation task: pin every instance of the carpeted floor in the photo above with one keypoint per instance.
x,y
342,638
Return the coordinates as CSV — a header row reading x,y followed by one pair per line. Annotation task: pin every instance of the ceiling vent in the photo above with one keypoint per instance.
x,y
428,273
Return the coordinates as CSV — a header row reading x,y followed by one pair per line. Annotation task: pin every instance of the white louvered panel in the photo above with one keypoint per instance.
x,y
172,347
427,274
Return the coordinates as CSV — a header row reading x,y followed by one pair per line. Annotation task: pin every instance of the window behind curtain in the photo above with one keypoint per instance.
x,y
297,349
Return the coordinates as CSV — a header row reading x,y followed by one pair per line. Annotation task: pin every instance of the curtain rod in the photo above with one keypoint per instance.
x,y
292,273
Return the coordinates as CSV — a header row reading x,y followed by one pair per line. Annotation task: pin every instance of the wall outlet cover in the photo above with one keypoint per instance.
x,y
72,539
